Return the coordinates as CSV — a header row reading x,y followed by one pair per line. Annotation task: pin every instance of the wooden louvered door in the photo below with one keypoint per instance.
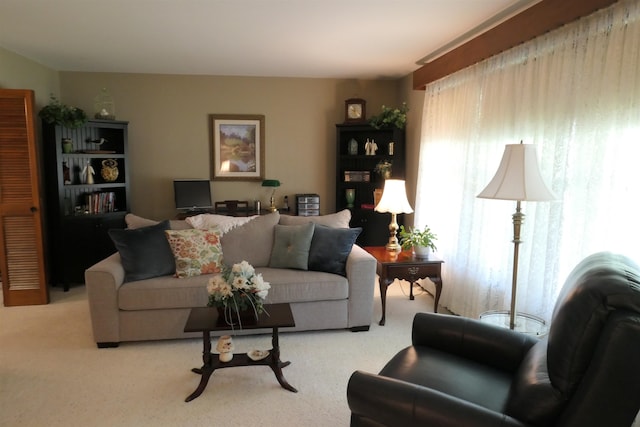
x,y
21,242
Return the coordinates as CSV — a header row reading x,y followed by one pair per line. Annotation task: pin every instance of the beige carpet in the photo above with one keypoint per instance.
x,y
52,374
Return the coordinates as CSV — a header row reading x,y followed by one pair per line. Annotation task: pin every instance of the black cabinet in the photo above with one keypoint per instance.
x,y
87,180
356,176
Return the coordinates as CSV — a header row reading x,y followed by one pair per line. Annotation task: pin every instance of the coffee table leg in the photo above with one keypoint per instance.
x,y
276,364
206,370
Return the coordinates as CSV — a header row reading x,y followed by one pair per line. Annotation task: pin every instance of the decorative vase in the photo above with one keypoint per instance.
x,y
109,170
232,317
350,195
67,145
353,147
421,251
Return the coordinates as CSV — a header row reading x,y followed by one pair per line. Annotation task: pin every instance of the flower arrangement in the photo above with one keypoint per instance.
x,y
60,114
390,117
238,289
384,168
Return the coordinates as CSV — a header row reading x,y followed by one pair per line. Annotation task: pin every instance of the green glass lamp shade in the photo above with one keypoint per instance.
x,y
271,183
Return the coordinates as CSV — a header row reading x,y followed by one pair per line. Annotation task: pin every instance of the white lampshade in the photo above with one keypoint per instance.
x,y
394,198
518,176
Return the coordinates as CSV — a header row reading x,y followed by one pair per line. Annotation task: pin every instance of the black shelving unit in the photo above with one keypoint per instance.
x,y
391,147
80,209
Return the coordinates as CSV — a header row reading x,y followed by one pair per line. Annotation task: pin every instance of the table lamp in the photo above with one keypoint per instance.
x,y
274,183
518,178
394,200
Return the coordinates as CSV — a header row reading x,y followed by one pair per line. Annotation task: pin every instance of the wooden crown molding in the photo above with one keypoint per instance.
x,y
527,25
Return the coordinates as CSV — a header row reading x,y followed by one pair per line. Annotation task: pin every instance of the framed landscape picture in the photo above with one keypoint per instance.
x,y
237,146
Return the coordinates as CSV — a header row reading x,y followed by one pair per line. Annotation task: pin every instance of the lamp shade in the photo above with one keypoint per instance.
x,y
518,176
271,183
394,198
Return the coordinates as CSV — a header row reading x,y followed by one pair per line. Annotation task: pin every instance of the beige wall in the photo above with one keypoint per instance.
x,y
169,125
169,129
18,72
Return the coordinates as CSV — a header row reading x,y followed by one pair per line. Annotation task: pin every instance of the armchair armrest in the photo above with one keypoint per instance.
x,y
102,281
391,402
361,274
489,344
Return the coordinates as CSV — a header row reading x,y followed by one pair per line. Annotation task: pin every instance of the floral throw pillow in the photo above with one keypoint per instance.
x,y
196,251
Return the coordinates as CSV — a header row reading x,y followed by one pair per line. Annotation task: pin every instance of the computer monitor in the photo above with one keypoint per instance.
x,y
192,194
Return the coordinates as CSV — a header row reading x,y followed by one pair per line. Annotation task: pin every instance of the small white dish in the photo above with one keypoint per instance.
x,y
256,355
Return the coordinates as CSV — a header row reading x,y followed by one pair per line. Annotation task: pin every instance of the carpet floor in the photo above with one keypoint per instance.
x,y
52,374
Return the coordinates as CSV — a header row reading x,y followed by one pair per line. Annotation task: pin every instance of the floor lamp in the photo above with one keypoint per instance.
x,y
518,178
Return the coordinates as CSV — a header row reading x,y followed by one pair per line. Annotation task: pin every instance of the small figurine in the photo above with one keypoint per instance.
x,y
225,348
87,173
66,173
370,147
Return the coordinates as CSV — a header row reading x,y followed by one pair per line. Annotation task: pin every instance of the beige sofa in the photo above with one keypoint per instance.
x,y
157,308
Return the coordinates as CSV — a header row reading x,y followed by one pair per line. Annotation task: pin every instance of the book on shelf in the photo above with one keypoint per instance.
x,y
101,202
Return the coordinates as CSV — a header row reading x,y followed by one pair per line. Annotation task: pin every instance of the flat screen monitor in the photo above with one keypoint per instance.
x,y
192,194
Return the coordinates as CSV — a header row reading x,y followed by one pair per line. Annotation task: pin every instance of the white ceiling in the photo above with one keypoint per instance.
x,y
285,38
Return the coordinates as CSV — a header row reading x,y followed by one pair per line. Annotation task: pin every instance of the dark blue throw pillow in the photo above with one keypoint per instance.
x,y
145,252
330,248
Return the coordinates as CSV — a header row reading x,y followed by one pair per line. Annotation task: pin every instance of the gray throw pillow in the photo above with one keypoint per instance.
x,y
291,246
251,242
330,248
144,252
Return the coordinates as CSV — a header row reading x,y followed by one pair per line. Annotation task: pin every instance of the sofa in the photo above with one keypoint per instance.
x,y
139,294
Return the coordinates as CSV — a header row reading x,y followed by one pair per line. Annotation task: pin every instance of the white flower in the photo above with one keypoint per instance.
x,y
239,285
244,268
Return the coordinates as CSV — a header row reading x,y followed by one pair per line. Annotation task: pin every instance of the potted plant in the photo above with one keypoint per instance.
x,y
390,117
422,241
60,114
384,168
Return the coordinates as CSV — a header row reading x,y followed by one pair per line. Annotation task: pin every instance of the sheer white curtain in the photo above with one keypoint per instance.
x,y
575,93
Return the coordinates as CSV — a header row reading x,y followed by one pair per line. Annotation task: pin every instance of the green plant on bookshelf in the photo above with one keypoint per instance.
x,y
58,113
390,117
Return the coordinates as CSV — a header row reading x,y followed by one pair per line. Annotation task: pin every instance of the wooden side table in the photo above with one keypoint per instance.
x,y
404,265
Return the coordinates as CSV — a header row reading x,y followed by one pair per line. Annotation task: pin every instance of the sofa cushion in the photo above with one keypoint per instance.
x,y
291,246
196,252
144,252
164,292
291,286
337,220
251,242
288,285
330,248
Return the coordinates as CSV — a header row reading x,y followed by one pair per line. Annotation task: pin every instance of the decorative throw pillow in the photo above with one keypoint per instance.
x,y
144,252
330,248
337,220
223,222
196,252
291,246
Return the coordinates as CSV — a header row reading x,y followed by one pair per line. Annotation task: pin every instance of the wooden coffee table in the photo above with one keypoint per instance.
x,y
404,265
205,320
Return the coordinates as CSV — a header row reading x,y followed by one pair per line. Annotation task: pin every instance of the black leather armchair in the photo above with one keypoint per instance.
x,y
462,372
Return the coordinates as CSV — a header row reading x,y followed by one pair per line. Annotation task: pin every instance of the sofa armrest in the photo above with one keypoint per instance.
x,y
102,281
391,402
470,338
361,274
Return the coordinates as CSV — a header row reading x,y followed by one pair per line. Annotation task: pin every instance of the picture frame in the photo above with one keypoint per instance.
x,y
237,147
